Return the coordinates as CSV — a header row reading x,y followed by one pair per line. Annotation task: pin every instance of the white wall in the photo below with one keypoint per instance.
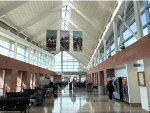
x,y
141,68
121,72
134,90
145,91
144,99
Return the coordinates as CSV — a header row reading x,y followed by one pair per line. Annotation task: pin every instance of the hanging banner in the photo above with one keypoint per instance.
x,y
64,40
77,40
51,36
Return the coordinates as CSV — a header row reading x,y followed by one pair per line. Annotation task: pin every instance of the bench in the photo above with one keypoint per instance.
x,y
16,104
17,95
31,93
36,96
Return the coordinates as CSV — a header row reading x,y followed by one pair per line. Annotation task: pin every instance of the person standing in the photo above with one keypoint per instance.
x,y
74,84
110,89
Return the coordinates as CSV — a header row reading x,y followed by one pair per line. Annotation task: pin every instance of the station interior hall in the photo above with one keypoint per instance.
x,y
75,56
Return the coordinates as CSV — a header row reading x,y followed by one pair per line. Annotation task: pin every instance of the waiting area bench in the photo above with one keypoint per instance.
x,y
36,96
17,95
14,104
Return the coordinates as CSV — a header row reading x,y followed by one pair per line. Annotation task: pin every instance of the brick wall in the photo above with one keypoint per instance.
x,y
12,68
138,50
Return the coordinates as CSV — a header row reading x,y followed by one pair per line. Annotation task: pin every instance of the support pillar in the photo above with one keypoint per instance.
x,y
115,37
133,88
138,19
58,41
89,77
145,91
15,50
61,61
11,80
98,52
79,78
146,10
105,53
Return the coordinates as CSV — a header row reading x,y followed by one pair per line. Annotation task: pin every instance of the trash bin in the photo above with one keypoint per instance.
x,y
101,90
89,87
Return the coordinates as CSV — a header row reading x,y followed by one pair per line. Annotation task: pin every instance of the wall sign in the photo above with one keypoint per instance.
x,y
141,79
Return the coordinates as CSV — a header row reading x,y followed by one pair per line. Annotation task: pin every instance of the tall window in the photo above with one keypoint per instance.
x,y
21,52
26,54
58,62
68,63
31,81
19,82
4,46
2,82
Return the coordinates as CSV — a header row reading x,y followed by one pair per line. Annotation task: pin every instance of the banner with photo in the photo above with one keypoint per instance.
x,y
77,40
64,40
51,36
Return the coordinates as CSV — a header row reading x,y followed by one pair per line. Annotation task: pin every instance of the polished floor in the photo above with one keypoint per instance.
x,y
80,101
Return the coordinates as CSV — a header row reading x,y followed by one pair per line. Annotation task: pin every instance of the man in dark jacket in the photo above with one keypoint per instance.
x,y
110,89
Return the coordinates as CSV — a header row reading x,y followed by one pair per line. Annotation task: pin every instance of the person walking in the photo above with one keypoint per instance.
x,y
110,89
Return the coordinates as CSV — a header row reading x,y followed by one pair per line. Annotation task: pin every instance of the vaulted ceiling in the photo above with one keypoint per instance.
x,y
33,18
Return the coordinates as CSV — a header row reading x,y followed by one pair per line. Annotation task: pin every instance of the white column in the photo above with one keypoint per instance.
x,y
15,49
94,60
25,59
79,78
58,41
10,47
29,54
61,61
138,19
98,52
71,41
147,15
145,91
91,64
115,37
105,53
134,89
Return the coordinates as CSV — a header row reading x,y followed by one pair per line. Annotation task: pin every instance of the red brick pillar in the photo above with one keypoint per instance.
x,y
87,77
24,80
94,78
101,78
37,76
11,80
91,78
105,77
28,80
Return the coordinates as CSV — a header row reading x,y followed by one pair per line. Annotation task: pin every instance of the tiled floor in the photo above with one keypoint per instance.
x,y
80,101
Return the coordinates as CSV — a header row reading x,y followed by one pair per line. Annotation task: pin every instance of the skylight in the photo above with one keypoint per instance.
x,y
66,13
